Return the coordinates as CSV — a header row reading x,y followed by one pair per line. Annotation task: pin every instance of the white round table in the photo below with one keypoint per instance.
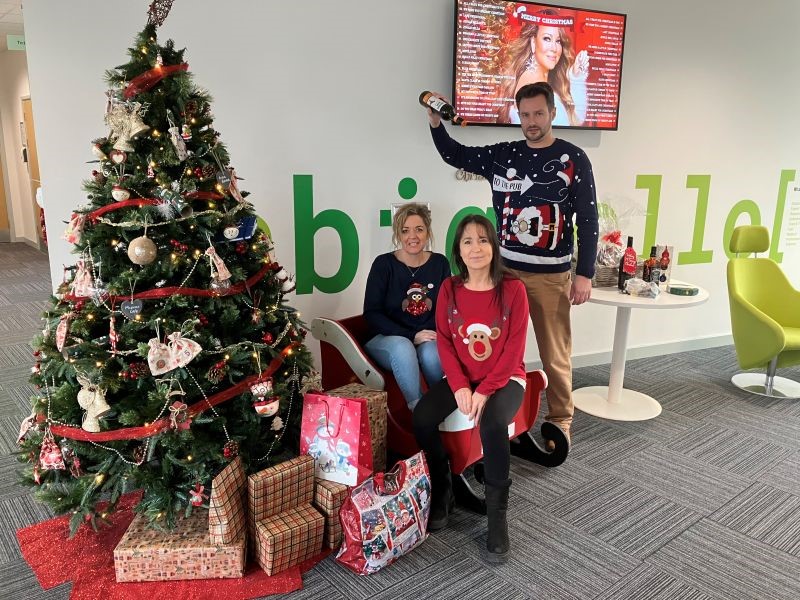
x,y
613,401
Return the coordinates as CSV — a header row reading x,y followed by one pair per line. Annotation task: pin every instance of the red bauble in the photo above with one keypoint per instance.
x,y
267,338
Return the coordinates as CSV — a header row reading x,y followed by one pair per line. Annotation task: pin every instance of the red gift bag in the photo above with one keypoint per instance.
x,y
385,517
335,431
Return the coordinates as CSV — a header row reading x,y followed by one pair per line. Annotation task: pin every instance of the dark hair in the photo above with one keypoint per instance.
x,y
532,90
497,271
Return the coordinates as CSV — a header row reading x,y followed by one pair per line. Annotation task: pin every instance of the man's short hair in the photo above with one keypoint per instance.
x,y
540,88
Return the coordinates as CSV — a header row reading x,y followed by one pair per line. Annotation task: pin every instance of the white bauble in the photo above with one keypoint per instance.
x,y
142,251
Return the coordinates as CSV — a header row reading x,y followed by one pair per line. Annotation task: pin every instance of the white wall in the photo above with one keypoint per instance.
x,y
330,89
13,87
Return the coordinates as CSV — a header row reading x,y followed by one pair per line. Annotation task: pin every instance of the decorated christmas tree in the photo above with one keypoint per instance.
x,y
169,348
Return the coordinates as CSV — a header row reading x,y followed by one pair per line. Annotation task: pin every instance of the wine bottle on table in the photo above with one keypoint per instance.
x,y
627,265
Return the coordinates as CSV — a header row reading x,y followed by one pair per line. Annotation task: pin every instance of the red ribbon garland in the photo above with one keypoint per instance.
x,y
145,81
137,433
137,202
169,291
200,195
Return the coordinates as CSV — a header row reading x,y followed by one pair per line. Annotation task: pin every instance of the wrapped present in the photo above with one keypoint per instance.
x,y
376,406
226,509
277,489
288,538
328,498
187,552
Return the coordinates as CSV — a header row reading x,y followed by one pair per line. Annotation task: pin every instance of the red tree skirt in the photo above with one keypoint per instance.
x,y
88,561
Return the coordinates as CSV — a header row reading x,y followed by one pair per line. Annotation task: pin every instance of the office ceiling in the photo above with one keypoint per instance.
x,y
10,20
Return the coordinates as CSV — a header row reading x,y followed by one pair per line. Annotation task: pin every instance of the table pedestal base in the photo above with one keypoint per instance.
x,y
632,406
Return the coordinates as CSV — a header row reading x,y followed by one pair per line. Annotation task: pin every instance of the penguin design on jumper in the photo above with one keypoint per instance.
x,y
417,301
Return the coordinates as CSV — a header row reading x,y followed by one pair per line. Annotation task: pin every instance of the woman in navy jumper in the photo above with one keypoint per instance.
x,y
481,324
400,303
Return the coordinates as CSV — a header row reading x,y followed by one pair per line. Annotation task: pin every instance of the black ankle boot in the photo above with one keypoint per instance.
x,y
497,544
442,499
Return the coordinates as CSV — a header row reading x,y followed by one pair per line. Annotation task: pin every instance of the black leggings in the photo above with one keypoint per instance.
x,y
439,401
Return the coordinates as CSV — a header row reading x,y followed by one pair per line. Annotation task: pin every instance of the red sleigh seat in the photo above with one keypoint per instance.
x,y
345,361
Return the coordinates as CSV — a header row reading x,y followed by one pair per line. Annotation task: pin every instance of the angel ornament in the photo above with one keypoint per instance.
x,y
177,140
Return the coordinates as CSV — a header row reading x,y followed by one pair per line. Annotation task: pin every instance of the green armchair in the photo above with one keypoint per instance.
x,y
765,316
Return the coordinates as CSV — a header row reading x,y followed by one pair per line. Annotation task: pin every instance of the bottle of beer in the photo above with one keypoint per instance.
x,y
627,265
649,266
436,104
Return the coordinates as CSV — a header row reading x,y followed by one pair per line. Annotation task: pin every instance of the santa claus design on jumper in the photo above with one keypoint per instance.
x,y
540,225
416,301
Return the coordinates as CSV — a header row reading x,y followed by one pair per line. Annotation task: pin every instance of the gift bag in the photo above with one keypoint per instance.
x,y
335,431
385,517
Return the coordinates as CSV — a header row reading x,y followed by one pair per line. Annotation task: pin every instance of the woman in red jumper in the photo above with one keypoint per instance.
x,y
481,325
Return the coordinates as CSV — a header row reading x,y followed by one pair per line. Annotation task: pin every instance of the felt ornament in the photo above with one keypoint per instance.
x,y
50,457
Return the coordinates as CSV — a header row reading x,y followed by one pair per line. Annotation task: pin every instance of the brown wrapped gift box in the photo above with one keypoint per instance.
x,y
376,406
286,485
226,507
328,498
186,553
288,538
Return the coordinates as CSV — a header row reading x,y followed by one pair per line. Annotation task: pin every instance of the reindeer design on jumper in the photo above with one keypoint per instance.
x,y
479,338
92,399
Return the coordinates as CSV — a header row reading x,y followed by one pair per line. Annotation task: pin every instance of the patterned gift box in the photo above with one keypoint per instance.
x,y
226,514
328,498
277,489
187,552
289,538
376,407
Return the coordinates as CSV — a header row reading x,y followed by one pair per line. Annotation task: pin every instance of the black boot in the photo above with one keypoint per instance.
x,y
497,544
442,499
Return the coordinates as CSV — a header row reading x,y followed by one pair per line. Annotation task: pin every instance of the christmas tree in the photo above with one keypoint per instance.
x,y
170,349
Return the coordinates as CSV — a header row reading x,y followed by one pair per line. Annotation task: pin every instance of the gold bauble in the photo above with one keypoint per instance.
x,y
142,251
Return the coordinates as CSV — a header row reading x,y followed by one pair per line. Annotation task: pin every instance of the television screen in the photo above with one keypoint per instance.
x,y
501,46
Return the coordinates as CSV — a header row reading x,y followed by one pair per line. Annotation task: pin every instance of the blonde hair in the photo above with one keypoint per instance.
x,y
409,210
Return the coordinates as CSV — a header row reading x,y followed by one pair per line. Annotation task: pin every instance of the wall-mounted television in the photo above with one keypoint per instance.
x,y
501,46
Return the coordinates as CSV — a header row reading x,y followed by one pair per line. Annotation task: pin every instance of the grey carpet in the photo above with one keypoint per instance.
x,y
701,503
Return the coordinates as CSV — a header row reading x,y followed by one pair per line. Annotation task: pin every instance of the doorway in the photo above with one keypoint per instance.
x,y
5,227
32,160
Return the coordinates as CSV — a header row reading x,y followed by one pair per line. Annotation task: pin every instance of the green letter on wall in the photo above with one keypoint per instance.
x,y
652,183
787,175
742,207
306,225
697,255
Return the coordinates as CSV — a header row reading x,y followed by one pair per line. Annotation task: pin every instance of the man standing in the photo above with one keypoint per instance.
x,y
538,186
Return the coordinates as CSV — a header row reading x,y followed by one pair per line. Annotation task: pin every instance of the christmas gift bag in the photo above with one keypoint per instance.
x,y
385,517
377,410
335,432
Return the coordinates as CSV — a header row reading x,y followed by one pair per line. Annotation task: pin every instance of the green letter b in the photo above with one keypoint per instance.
x,y
306,225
